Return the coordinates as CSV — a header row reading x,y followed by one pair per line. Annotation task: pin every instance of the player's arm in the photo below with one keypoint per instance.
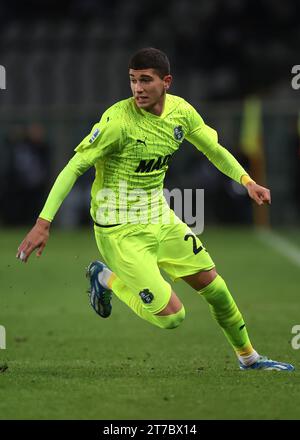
x,y
37,238
205,139
102,140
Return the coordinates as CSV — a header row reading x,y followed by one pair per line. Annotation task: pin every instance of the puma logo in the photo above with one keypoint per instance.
x,y
139,141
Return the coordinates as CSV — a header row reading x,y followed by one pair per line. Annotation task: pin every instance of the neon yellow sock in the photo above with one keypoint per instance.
x,y
134,302
228,316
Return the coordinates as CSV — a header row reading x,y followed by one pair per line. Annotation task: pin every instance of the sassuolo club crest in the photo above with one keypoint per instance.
x,y
178,133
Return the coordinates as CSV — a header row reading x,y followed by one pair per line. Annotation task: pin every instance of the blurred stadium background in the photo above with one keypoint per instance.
x,y
231,59
65,63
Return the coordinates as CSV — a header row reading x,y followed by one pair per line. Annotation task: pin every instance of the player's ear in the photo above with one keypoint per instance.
x,y
167,81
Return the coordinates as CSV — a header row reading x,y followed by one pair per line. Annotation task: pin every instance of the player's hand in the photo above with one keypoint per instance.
x,y
258,193
36,239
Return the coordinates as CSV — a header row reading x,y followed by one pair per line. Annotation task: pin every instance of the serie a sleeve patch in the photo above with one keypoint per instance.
x,y
94,136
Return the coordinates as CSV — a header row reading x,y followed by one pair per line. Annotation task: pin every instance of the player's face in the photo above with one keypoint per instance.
x,y
148,88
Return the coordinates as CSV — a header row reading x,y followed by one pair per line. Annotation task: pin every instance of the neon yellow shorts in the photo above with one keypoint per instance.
x,y
136,253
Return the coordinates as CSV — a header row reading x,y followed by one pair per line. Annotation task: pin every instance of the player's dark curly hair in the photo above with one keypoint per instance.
x,y
150,58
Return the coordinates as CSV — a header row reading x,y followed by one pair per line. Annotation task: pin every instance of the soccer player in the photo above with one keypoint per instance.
x,y
136,232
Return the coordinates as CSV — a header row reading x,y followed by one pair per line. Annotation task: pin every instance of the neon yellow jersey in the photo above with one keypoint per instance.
x,y
131,149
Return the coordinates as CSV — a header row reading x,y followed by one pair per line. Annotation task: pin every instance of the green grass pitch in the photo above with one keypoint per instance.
x,y
63,361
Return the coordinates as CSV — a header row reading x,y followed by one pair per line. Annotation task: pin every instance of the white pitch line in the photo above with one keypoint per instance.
x,y
281,245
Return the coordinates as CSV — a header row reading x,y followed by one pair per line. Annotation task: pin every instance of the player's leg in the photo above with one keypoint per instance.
x,y
169,317
191,257
136,279
214,290
182,255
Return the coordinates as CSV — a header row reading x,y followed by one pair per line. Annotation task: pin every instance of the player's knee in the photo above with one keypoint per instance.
x,y
201,279
173,320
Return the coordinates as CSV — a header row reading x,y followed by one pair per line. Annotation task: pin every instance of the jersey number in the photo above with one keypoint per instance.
x,y
195,249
